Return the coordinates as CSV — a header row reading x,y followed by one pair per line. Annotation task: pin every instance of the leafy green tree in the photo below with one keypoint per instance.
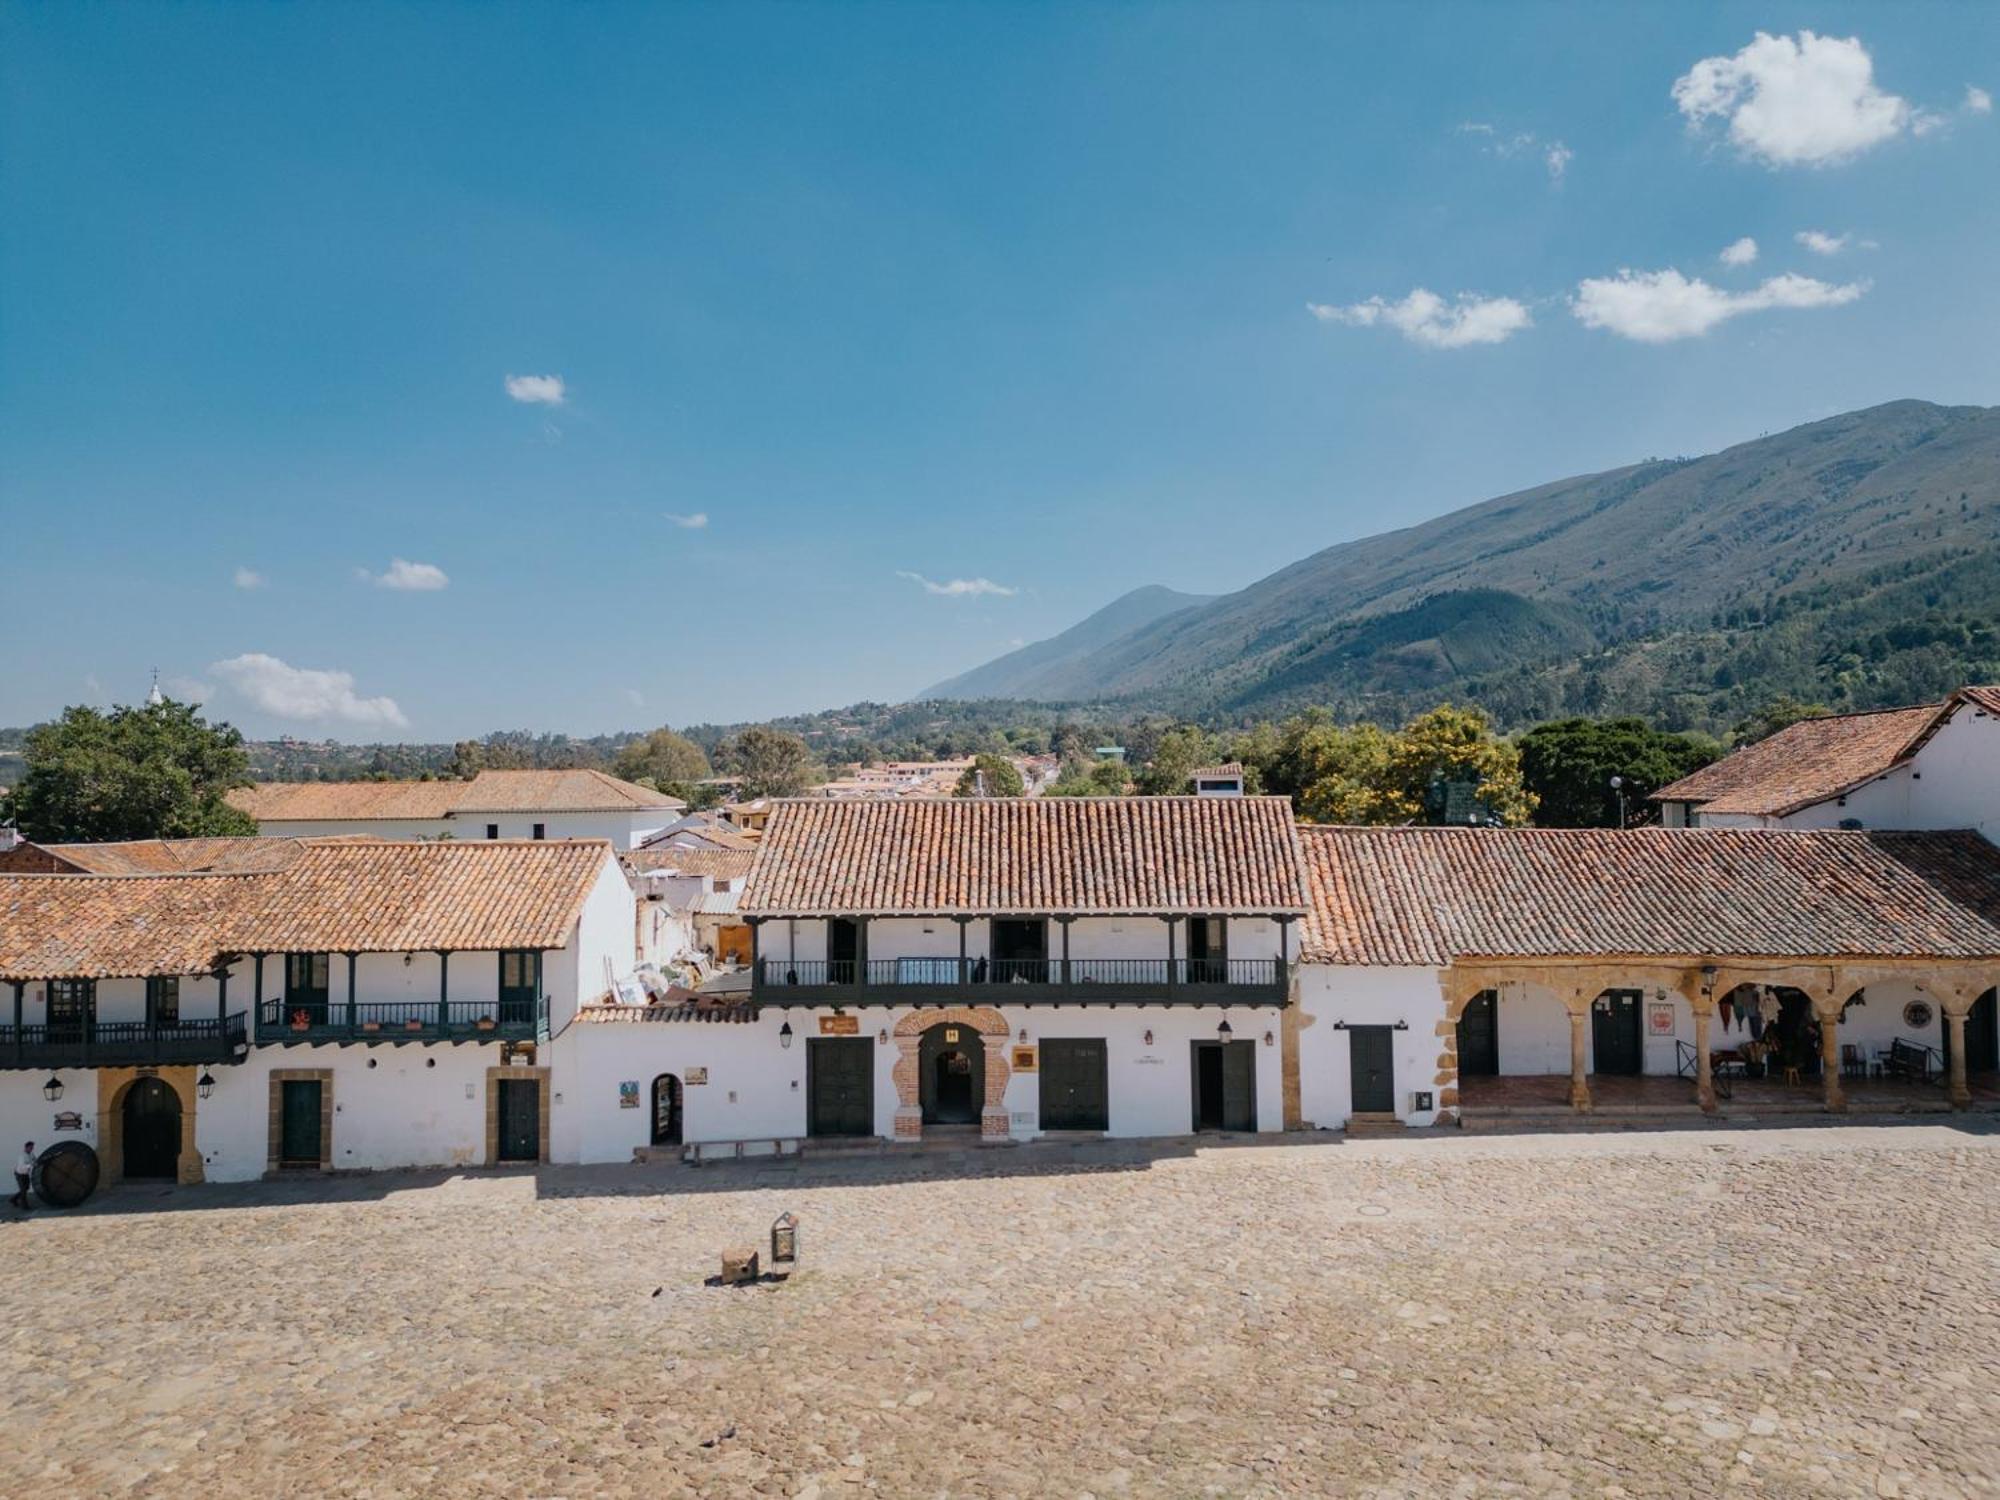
x,y
1180,752
158,770
771,762
1104,778
468,759
1456,744
1782,712
1347,775
664,759
1568,766
998,776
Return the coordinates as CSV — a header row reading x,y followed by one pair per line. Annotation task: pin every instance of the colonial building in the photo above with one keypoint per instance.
x,y
1446,969
493,805
340,1004
1003,968
1933,766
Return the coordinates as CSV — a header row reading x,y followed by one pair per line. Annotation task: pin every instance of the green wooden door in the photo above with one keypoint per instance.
x,y
520,985
840,1086
1371,1062
1616,1042
299,1139
520,1119
1074,1084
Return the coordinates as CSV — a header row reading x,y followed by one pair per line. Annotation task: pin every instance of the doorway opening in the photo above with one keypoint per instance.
x,y
1020,950
1224,1077
1479,1036
952,1074
666,1110
152,1130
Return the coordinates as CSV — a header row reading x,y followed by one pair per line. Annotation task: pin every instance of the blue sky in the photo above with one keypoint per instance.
x,y
1017,298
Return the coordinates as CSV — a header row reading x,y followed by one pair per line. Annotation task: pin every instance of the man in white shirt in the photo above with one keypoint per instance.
x,y
24,1172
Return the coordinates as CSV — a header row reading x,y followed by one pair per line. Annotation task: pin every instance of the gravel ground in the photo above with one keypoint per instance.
x,y
1777,1312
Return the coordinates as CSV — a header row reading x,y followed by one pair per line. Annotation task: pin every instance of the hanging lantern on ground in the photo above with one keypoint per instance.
x,y
784,1243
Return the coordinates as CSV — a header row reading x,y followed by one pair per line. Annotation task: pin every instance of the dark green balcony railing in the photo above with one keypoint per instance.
x,y
290,1023
920,981
125,1044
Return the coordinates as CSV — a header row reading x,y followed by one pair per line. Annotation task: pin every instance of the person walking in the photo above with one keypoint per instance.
x,y
24,1173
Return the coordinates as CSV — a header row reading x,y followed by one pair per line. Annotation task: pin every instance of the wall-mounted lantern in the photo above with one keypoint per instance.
x,y
1148,1039
784,1243
1270,1040
1024,1034
882,1037
205,1085
1225,1030
785,1035
53,1089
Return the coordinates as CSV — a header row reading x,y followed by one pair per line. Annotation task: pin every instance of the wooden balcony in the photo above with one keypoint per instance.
x,y
125,1044
399,1022
1053,981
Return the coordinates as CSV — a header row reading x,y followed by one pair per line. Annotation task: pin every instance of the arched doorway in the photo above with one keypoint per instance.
x,y
151,1129
951,1075
666,1110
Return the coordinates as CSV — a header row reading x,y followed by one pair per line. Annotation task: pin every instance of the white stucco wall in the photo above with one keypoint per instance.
x,y
603,946
624,830
756,1087
1366,996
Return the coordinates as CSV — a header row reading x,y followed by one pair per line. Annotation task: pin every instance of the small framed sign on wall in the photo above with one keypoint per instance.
x,y
1660,1018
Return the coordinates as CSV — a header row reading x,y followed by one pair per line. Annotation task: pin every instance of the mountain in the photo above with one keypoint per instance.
x,y
1007,676
1846,560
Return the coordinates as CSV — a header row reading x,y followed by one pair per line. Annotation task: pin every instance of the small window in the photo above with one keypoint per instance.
x,y
163,1000
541,830
493,830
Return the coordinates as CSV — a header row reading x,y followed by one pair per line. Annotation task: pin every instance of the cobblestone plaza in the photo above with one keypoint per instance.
x,y
1763,1312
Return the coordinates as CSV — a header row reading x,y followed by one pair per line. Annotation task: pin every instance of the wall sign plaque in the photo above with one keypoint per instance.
x,y
1024,1060
1917,1014
69,1120
628,1094
1660,1018
840,1025
695,1077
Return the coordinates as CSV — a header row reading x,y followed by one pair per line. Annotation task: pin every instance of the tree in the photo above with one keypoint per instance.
x,y
771,762
468,759
158,770
1180,752
1568,765
990,776
1782,712
667,760
1104,778
1457,744
1346,775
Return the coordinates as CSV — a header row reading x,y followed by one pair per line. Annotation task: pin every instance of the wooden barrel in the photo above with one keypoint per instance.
x,y
66,1174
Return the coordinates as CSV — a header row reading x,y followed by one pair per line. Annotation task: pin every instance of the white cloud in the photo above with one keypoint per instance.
x,y
695,522
1977,100
959,587
537,390
1425,318
1557,158
1741,253
1657,307
634,697
304,693
1806,101
1822,243
411,577
187,689
250,578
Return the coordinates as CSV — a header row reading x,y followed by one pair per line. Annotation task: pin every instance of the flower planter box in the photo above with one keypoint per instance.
x,y
371,1025
485,1023
413,1026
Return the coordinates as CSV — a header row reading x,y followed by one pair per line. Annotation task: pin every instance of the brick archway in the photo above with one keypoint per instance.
x,y
113,1084
993,1033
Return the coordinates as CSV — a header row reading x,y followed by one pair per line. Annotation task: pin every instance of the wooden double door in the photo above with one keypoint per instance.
x,y
840,1086
1075,1083
1618,1044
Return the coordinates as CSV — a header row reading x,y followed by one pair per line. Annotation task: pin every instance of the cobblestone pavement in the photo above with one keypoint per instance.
x,y
1778,1312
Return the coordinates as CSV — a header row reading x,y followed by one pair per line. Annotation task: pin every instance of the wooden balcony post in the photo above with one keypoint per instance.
x,y
964,964
1065,924
353,1011
257,994
1173,929
20,986
222,1012
444,1005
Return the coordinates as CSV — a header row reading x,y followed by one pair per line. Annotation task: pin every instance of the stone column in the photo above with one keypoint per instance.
x,y
1579,1087
993,1121
909,1105
1829,1061
1704,1078
1957,1090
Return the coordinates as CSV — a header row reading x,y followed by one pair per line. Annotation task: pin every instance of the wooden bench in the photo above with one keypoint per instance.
x,y
1907,1059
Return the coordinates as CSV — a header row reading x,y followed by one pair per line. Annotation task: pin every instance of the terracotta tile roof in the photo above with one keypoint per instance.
x,y
335,895
1986,699
178,856
707,827
722,864
1426,896
1227,769
489,791
1089,855
1806,763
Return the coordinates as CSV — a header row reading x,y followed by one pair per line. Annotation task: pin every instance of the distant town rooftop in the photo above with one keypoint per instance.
x,y
490,791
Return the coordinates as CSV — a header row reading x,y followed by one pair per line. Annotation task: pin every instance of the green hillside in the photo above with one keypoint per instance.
x,y
1855,561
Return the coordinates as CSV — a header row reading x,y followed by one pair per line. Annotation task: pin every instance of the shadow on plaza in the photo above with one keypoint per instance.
x,y
888,1164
